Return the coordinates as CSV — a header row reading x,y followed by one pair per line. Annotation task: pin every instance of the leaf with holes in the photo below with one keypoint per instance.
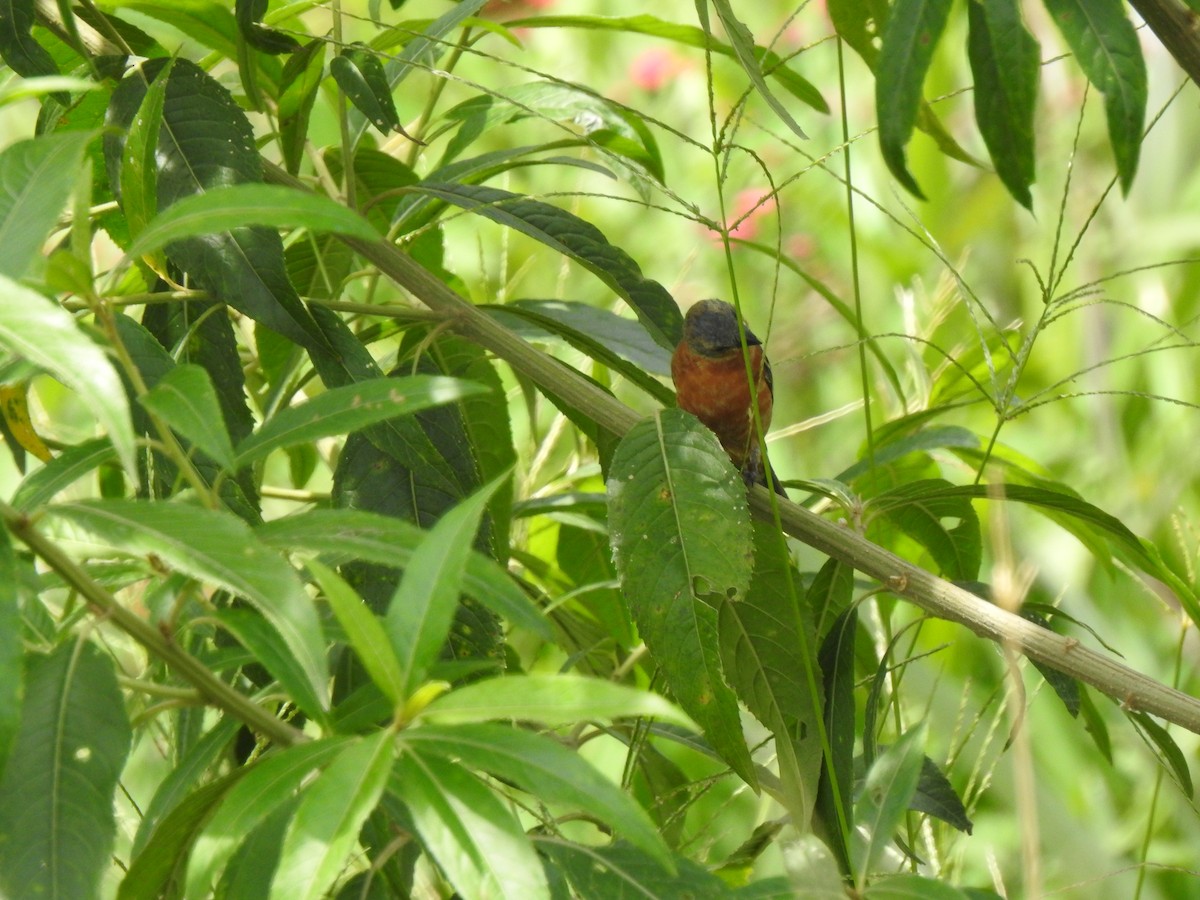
x,y
681,537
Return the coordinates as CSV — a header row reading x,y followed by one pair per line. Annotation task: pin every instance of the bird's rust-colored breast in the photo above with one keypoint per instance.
x,y
714,389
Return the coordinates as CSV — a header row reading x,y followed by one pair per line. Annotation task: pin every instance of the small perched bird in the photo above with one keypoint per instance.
x,y
710,382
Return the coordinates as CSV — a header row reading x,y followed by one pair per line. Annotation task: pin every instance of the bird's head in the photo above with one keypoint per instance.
x,y
711,329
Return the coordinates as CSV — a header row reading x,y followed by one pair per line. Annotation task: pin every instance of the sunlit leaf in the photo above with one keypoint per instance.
x,y
475,839
550,699
36,178
185,399
33,328
324,829
350,408
216,547
681,539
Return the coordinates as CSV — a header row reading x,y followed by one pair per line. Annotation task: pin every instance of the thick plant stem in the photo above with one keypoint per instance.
x,y
934,595
156,643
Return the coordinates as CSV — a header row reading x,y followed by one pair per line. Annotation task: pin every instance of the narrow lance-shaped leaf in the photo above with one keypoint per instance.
x,y
770,658
364,631
1006,64
139,168
226,208
772,65
324,830
301,81
354,534
57,820
350,408
743,46
185,399
889,788
909,40
249,15
360,75
577,239
20,51
272,782
1107,49
33,328
419,615
681,538
36,178
205,143
473,837
11,674
552,700
219,548
543,767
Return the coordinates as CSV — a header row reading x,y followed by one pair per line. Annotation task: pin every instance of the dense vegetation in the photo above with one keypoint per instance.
x,y
354,546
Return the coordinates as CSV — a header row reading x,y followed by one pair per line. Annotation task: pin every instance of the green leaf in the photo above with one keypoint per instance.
x,y
324,830
770,63
12,686
1006,63
419,615
346,534
256,634
543,767
830,594
39,86
271,782
36,179
552,700
1107,49
742,42
619,343
206,143
42,485
350,408
139,167
911,35
364,631
360,75
300,83
622,872
890,449
219,548
833,808
935,796
770,659
921,510
578,240
224,209
1169,751
164,855
204,754
57,821
20,51
249,13
475,839
46,335
682,542
605,124
185,399
889,788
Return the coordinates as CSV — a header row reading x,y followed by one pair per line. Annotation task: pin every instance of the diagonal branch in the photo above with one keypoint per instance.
x,y
936,596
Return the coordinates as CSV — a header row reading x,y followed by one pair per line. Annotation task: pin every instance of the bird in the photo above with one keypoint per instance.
x,y
709,372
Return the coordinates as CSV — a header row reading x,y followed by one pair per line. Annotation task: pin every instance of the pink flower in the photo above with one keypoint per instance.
x,y
653,68
749,208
